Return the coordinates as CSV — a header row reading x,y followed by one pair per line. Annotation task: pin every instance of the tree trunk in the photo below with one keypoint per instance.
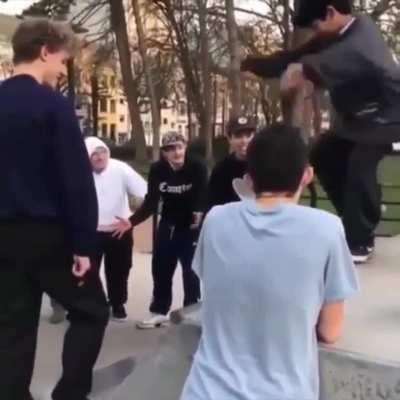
x,y
206,112
118,23
71,80
234,50
287,34
192,86
155,110
94,83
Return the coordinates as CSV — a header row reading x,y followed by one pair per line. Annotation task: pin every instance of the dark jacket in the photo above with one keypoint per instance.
x,y
360,72
46,173
220,189
182,193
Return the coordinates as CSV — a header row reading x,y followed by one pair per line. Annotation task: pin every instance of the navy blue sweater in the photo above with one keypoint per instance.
x,y
45,169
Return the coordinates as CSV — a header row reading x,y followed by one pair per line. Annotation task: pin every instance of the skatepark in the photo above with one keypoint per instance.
x,y
147,365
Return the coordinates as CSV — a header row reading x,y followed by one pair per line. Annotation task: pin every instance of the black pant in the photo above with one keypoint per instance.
x,y
173,244
117,264
35,258
348,172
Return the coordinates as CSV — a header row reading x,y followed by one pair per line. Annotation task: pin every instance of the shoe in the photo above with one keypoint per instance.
x,y
154,321
119,314
361,254
58,315
371,245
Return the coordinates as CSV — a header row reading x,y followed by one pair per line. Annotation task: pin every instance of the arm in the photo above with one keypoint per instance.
x,y
340,283
274,66
330,323
215,186
327,68
150,204
200,189
78,191
135,184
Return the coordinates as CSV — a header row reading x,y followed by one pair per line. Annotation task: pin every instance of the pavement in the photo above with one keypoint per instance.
x,y
372,318
122,339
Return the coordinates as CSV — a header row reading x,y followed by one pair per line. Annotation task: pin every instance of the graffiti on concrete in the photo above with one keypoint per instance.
x,y
362,387
348,376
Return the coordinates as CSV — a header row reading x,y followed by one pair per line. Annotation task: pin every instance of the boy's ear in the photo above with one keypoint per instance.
x,y
308,177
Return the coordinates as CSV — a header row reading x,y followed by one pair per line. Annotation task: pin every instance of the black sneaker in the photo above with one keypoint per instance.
x,y
361,254
119,314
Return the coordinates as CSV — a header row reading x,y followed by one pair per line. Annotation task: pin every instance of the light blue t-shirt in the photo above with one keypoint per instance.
x,y
266,274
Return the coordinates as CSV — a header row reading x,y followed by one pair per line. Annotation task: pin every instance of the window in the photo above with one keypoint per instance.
x,y
104,82
104,130
165,121
112,81
103,105
113,106
122,118
121,101
122,138
180,130
182,108
172,125
113,132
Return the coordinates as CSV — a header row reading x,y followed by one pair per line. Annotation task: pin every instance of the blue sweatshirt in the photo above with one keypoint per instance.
x,y
45,169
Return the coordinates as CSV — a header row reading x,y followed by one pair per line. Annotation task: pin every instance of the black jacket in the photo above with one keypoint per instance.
x,y
182,193
220,189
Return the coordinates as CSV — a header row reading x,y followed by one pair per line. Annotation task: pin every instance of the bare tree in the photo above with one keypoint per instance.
x,y
234,50
118,24
155,109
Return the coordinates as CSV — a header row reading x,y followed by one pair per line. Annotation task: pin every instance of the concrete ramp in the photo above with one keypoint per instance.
x,y
105,380
161,375
364,365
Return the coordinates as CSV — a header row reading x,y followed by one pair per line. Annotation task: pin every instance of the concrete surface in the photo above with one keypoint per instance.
x,y
122,340
364,365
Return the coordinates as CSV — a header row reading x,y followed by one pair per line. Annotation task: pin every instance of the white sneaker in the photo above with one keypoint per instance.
x,y
153,321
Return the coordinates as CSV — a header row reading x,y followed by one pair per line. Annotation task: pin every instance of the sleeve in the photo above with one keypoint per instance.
x,y
135,184
200,188
341,280
199,255
333,66
274,65
76,178
216,189
150,203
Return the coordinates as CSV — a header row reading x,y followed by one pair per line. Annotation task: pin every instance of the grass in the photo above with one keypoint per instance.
x,y
389,176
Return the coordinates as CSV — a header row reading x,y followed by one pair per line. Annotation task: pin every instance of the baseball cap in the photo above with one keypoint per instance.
x,y
240,124
310,10
172,138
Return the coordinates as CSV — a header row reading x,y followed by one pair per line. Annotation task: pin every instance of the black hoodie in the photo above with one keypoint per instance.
x,y
182,192
220,189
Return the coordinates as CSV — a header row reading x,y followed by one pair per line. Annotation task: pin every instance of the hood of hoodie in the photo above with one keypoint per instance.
x,y
92,143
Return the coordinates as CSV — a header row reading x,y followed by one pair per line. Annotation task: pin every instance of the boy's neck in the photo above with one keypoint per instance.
x,y
29,69
273,199
239,157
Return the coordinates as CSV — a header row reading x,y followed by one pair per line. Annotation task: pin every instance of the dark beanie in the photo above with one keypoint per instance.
x,y
311,10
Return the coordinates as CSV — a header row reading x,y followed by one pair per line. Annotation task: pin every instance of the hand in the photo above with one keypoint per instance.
x,y
197,218
81,266
293,78
121,227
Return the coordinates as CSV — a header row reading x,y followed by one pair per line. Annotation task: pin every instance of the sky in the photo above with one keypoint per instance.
x,y
17,6
14,6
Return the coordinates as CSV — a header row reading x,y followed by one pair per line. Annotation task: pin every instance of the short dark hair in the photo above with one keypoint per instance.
x,y
311,10
276,159
32,35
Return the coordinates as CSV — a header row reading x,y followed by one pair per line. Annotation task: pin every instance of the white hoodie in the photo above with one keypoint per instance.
x,y
113,185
